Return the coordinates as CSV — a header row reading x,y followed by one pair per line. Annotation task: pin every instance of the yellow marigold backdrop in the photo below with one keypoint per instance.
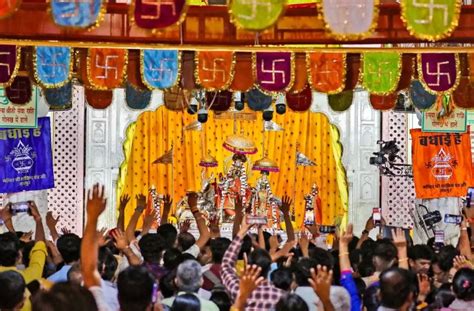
x,y
155,132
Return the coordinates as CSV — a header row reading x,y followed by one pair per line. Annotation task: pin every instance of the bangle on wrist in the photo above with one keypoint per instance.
x,y
402,259
343,254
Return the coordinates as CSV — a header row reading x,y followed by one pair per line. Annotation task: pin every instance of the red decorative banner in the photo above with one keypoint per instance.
x,y
327,71
9,63
106,68
155,14
7,7
215,70
274,70
438,71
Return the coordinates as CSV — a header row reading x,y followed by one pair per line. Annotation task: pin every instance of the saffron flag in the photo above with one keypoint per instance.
x,y
26,161
442,164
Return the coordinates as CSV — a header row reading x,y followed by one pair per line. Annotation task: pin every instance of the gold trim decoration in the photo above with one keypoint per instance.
x,y
346,37
197,68
100,17
238,25
127,150
52,85
131,15
272,93
310,75
235,72
341,176
448,31
142,71
12,9
15,69
427,87
120,81
362,73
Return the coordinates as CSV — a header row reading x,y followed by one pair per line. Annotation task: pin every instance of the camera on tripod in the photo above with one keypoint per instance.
x,y
388,153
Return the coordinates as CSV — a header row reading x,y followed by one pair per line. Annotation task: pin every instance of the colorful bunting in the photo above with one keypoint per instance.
x,y
219,101
352,71
136,98
53,66
420,97
77,13
350,19
463,95
8,7
431,19
274,71
381,72
243,73
257,100
438,71
106,68
408,71
326,71
214,69
19,92
176,98
383,102
98,99
9,63
160,69
156,14
134,76
256,15
187,71
300,101
341,101
301,74
59,99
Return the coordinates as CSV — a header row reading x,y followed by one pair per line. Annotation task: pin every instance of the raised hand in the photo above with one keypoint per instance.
x,y
239,206
314,230
124,199
34,211
461,262
399,238
284,251
96,202
347,235
102,237
193,200
424,286
369,224
244,228
121,241
184,227
6,213
285,205
26,237
65,230
304,244
141,203
167,202
214,225
51,222
250,280
321,282
148,219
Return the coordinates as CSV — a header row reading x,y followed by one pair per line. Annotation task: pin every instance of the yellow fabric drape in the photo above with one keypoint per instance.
x,y
309,133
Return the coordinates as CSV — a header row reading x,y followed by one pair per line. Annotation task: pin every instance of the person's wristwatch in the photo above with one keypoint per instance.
x,y
365,231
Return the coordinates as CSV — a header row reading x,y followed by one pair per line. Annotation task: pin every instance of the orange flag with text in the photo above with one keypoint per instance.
x,y
442,164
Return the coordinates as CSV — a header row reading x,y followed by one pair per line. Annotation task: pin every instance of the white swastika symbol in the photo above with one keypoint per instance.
x,y
7,65
76,7
162,70
54,64
273,71
107,67
215,70
158,4
438,73
431,7
254,4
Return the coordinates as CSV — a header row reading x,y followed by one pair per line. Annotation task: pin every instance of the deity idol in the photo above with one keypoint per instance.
x,y
312,209
234,182
264,203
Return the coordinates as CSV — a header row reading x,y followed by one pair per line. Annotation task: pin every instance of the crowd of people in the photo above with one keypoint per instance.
x,y
169,269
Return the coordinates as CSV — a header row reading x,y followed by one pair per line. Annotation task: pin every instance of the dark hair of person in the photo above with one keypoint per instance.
x,y
185,256
69,246
445,257
396,285
186,302
170,258
291,302
361,286
218,248
261,258
12,290
302,270
135,288
168,233
420,251
367,249
246,247
322,257
9,247
366,268
371,298
65,296
167,285
221,299
185,240
385,250
151,247
25,249
266,237
107,264
282,278
353,244
463,284
442,297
